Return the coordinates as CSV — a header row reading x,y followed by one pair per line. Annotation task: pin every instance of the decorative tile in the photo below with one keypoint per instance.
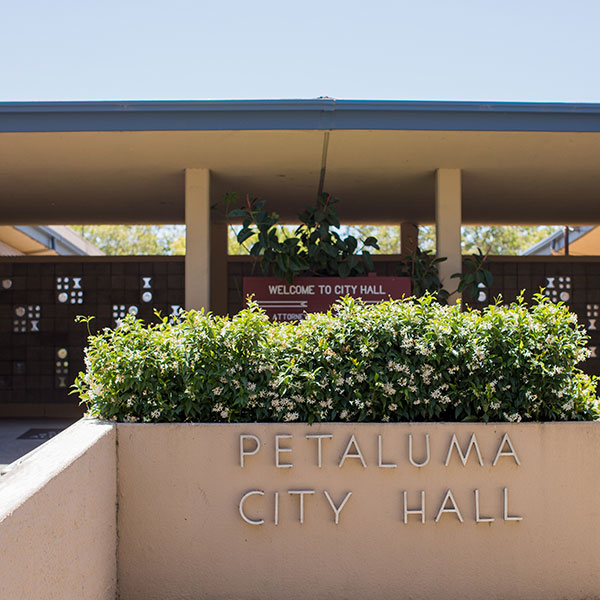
x,y
121,310
61,368
591,312
482,295
69,290
27,318
558,288
146,289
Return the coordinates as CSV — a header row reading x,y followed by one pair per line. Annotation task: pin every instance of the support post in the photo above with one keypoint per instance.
x,y
197,239
448,218
409,238
218,267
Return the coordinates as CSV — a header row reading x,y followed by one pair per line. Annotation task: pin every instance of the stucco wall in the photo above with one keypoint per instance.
x,y
58,519
181,533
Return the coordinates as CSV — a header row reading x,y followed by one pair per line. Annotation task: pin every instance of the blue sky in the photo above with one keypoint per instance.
x,y
181,49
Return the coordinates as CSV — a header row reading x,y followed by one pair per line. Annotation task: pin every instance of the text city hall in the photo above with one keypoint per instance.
x,y
260,511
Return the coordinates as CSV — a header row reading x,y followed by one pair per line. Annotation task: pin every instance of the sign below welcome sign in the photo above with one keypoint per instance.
x,y
283,301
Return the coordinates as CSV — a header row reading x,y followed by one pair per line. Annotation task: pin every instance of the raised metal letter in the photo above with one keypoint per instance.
x,y
246,518
352,441
464,457
337,509
511,452
410,451
415,511
248,436
319,437
380,462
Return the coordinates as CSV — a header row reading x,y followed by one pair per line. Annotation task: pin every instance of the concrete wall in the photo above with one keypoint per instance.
x,y
182,535
58,519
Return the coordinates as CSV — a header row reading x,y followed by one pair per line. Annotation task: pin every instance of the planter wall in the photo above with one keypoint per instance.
x,y
58,526
194,523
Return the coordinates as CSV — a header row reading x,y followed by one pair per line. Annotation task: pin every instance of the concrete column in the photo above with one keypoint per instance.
x,y
409,238
448,217
197,239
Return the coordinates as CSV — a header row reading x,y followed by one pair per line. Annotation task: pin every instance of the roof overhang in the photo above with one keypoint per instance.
x,y
113,162
43,240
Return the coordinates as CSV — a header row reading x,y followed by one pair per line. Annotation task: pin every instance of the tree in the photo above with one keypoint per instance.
x,y
492,239
170,239
135,240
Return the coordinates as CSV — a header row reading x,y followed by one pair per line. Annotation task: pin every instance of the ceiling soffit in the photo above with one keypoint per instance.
x,y
381,176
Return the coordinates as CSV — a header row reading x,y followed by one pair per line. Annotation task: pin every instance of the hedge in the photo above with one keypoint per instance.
x,y
408,360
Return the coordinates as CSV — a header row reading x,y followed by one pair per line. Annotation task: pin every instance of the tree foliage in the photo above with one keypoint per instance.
x,y
492,239
135,240
170,239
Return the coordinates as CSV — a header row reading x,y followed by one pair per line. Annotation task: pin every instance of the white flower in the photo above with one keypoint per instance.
x,y
389,389
514,418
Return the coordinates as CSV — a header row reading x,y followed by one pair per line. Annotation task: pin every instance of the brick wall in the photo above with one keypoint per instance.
x,y
41,350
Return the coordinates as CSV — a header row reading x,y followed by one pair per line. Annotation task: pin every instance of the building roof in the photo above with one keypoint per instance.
x,y
43,240
315,114
124,162
583,241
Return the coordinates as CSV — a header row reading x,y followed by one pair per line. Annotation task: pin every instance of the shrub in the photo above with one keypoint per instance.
x,y
408,360
316,248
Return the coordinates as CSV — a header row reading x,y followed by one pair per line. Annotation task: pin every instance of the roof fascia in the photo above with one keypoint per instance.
x,y
51,239
556,241
319,114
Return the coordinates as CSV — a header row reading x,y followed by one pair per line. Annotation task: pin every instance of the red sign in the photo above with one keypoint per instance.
x,y
283,301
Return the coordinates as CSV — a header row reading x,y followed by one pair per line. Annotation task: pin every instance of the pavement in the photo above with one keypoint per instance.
x,y
20,436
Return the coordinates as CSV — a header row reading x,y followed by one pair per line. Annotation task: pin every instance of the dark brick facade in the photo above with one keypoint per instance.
x,y
41,350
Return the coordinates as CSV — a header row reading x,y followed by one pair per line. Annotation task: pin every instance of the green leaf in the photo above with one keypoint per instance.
x,y
370,267
237,213
329,249
351,243
244,234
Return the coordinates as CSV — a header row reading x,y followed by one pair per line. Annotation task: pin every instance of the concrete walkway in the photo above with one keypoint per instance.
x,y
20,436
